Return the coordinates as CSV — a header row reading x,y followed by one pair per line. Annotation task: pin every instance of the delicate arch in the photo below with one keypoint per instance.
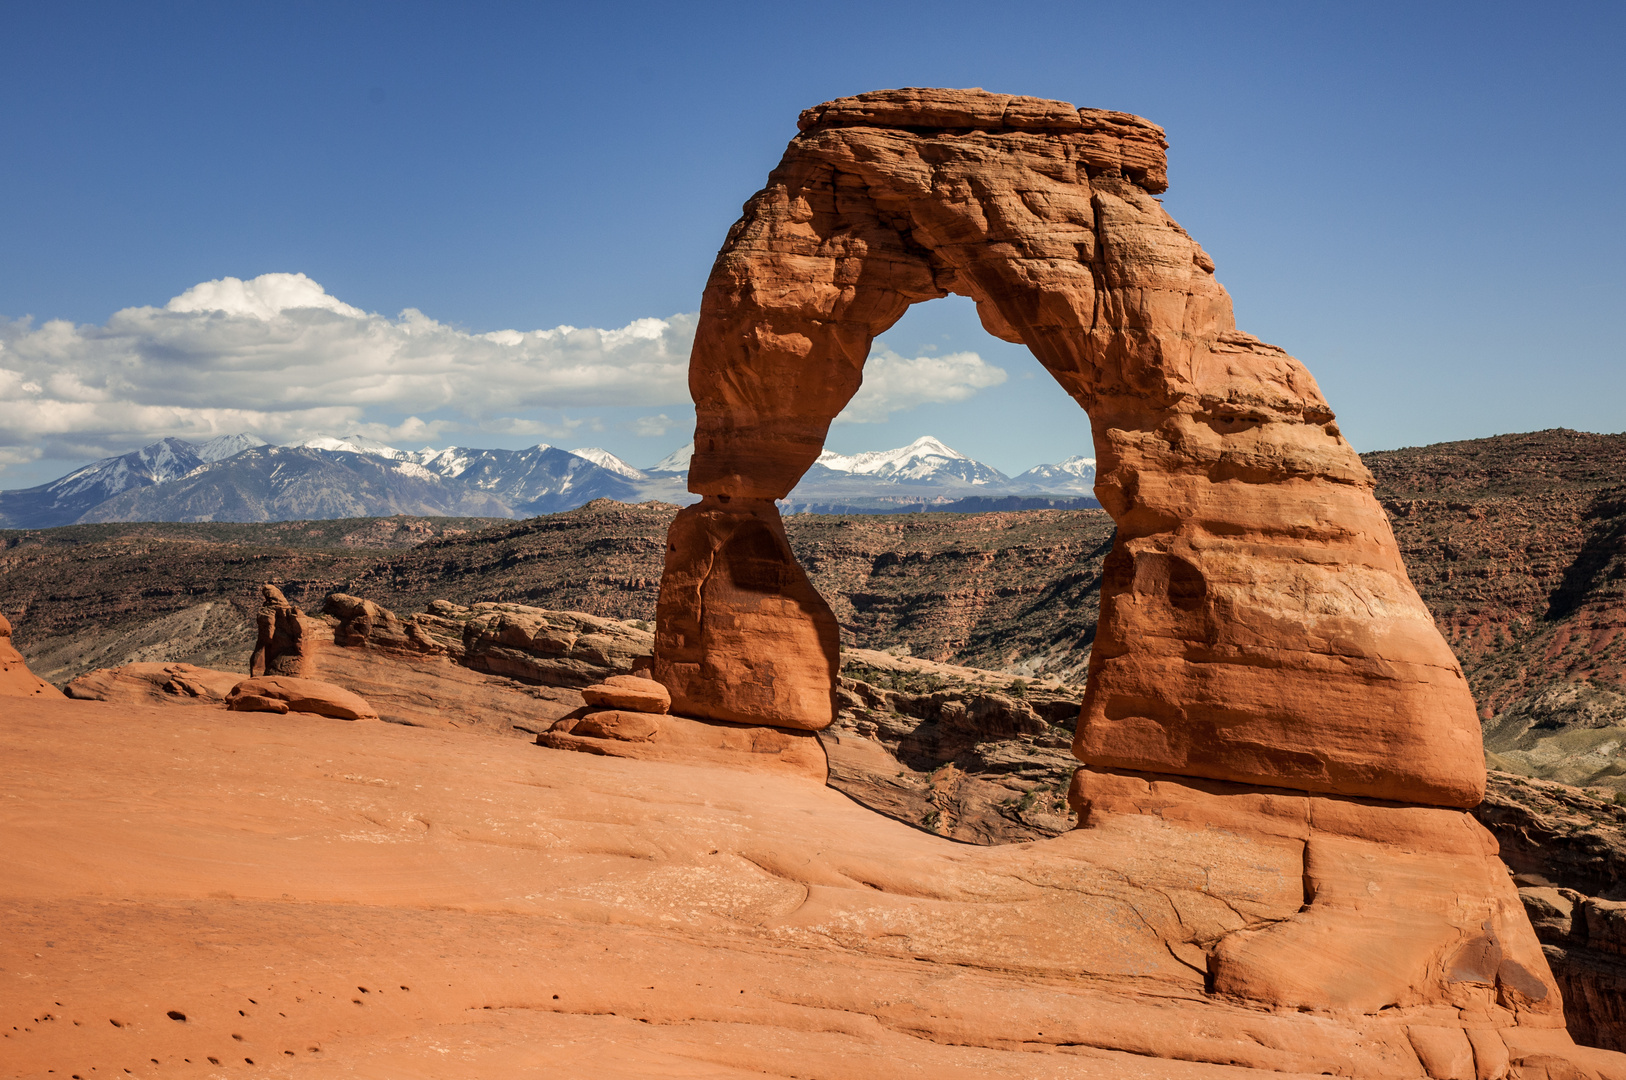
x,y
1257,623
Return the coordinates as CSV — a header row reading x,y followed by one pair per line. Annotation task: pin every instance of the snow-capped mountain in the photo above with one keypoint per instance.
x,y
242,478
355,444
539,480
1073,475
675,462
63,500
606,460
164,460
926,474
924,461
222,447
282,483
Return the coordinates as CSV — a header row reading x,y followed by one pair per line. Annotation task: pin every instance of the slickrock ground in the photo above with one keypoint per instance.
x,y
985,750
322,897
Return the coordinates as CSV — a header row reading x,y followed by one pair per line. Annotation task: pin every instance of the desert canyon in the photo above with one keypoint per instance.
x,y
1273,869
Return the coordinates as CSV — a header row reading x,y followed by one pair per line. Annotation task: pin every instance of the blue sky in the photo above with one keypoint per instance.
x,y
1420,201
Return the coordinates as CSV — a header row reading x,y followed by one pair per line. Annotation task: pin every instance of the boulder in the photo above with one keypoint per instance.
x,y
15,678
629,692
620,724
276,693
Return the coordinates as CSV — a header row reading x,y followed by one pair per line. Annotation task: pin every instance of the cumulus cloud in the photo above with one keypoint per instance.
x,y
652,427
893,383
278,356
264,297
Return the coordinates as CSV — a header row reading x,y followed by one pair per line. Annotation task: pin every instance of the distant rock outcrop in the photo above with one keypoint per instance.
x,y
15,678
142,682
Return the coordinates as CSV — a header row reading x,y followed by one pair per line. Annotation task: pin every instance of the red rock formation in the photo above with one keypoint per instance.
x,y
1257,624
1401,906
15,678
1263,667
658,737
288,638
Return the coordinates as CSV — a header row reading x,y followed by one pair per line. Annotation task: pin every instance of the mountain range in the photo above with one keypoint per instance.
x,y
242,478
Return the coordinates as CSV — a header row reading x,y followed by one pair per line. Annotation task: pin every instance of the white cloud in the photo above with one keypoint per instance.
x,y
277,356
652,427
264,297
893,383
517,425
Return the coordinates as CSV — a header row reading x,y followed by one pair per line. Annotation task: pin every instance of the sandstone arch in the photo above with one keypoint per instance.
x,y
1257,624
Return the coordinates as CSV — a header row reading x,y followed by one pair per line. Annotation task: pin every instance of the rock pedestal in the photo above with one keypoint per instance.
x,y
741,634
287,640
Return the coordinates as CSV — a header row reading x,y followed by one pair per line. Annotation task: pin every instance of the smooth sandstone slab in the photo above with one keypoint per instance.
x,y
1400,905
682,739
376,900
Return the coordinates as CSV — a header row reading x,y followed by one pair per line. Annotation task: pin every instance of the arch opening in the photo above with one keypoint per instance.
x,y
938,373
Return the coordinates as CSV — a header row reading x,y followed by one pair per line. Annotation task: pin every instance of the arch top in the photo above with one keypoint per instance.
x,y
1106,139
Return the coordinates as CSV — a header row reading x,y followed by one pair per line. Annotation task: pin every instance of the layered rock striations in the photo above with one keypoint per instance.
x,y
1257,624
